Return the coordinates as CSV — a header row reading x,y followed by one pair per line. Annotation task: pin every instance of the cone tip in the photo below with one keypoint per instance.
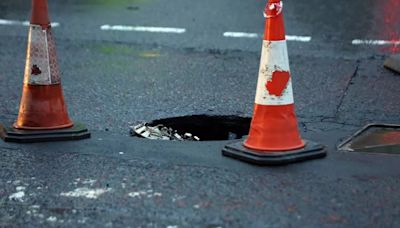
x,y
40,15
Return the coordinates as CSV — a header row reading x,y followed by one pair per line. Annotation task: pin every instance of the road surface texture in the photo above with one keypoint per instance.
x,y
116,71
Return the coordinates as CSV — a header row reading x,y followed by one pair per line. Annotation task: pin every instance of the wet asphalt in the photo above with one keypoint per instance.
x,y
113,79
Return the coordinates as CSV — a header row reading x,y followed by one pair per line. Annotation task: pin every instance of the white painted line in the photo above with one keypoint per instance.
x,y
86,192
255,35
240,35
18,196
376,42
22,23
10,22
298,38
126,28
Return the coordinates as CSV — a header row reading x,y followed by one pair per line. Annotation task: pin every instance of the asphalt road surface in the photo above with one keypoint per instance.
x,y
125,61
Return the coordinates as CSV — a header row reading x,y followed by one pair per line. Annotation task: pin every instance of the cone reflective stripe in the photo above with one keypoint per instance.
x,y
41,62
274,124
274,137
43,115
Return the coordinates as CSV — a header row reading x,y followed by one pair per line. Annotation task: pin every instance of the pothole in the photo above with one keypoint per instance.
x,y
207,128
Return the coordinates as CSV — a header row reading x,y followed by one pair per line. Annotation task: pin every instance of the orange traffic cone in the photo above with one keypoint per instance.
x,y
43,114
274,137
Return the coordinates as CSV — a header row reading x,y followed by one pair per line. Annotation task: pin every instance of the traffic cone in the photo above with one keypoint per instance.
x,y
274,137
43,114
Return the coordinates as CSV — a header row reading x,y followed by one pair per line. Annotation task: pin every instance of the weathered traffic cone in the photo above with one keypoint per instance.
x,y
43,114
274,137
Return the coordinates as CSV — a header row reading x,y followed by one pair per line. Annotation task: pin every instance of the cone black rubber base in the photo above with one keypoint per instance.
x,y
78,131
312,150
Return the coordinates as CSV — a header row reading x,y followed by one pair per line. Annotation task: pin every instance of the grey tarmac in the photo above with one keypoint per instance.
x,y
113,79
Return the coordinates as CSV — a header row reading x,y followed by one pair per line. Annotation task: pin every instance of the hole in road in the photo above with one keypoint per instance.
x,y
208,128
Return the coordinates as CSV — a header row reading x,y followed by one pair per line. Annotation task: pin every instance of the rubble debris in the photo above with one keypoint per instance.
x,y
160,132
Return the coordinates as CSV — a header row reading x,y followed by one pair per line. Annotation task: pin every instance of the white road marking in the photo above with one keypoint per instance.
x,y
22,23
18,196
20,188
240,35
298,38
127,28
255,35
89,181
52,219
149,194
376,42
229,34
86,192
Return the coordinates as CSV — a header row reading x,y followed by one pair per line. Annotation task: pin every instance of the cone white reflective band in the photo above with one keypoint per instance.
x,y
274,85
41,62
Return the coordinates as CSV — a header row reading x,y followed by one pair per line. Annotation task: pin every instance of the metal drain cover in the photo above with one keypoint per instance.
x,y
393,63
374,138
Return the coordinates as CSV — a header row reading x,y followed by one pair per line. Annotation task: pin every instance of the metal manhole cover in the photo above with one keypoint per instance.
x,y
374,138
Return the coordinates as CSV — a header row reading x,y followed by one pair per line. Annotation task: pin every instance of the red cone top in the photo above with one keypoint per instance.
x,y
274,25
40,14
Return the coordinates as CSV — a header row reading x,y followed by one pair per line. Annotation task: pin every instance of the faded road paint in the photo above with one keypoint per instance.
x,y
376,42
22,23
18,196
228,34
241,35
255,35
298,38
147,194
127,28
86,193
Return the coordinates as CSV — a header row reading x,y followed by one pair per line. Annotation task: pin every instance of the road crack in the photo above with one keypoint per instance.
x,y
349,83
